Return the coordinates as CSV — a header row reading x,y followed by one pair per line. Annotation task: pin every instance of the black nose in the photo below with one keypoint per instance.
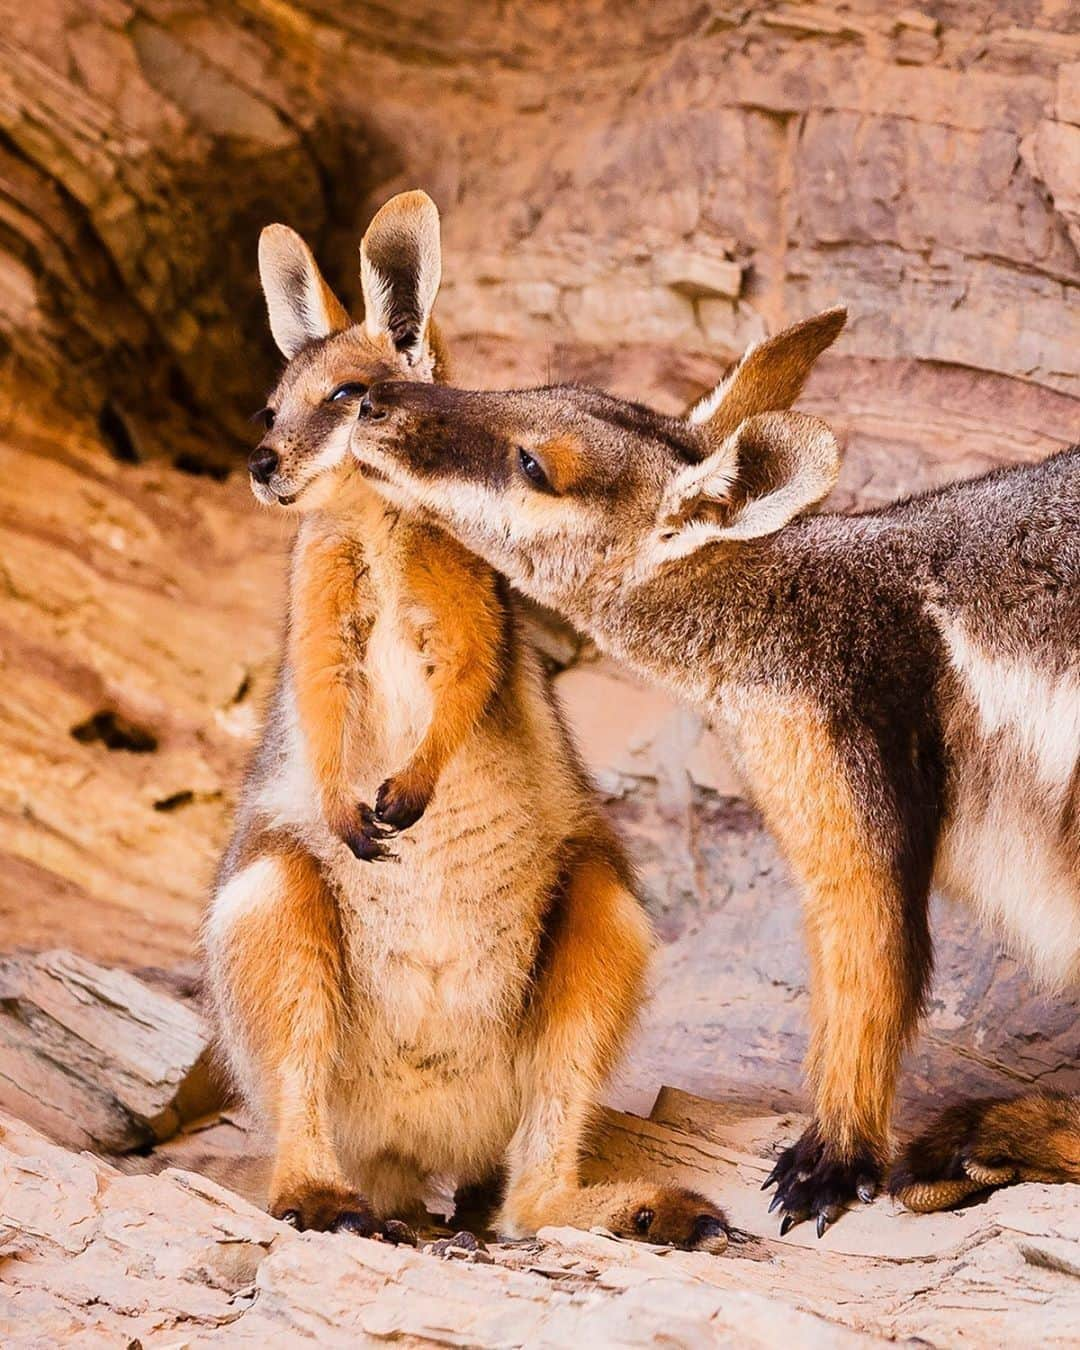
x,y
370,408
262,463
707,1226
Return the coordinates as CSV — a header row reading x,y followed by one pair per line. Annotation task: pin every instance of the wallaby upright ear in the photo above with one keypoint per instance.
x,y
400,271
770,375
302,307
770,469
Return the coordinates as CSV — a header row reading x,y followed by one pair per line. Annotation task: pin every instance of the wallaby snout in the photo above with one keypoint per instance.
x,y
263,462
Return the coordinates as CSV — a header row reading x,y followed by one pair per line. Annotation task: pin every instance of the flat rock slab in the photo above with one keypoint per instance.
x,y
90,1254
96,1058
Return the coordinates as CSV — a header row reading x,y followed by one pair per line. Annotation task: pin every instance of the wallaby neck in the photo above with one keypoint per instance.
x,y
702,627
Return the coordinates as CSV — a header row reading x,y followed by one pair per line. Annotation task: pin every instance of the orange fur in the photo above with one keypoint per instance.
x,y
462,644
283,962
325,671
861,1013
586,998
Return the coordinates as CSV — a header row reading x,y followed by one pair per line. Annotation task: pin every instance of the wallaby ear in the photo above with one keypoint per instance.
x,y
400,271
302,307
770,375
769,470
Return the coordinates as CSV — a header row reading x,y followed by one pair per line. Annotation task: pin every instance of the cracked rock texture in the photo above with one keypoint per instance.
x,y
629,196
94,1256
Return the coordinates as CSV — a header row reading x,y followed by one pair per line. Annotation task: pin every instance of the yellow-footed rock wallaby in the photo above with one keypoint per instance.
x,y
424,948
902,687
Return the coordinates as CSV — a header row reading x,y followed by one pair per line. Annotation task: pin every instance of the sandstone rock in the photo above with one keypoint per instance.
x,y
87,1253
95,1057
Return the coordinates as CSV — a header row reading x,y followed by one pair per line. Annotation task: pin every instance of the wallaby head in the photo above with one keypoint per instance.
x,y
564,486
303,459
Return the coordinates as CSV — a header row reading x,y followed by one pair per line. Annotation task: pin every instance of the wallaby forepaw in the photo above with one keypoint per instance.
x,y
366,837
400,803
673,1216
813,1183
336,1209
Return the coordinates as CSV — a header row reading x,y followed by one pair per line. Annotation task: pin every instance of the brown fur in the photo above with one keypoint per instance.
x,y
977,1145
440,981
903,687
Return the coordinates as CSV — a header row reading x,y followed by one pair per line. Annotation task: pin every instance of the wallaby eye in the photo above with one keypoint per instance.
x,y
265,416
348,390
532,470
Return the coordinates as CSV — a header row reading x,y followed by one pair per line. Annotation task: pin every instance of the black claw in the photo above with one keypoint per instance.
x,y
822,1224
770,1180
398,1233
866,1190
786,1223
775,1203
354,1221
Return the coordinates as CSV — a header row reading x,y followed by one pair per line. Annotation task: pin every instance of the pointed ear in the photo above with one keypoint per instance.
x,y
770,470
400,271
770,375
302,307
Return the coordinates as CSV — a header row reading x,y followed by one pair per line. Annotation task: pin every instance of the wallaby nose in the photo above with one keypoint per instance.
x,y
370,408
262,462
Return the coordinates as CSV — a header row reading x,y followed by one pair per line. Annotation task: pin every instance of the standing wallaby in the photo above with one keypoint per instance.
x,y
903,689
452,1008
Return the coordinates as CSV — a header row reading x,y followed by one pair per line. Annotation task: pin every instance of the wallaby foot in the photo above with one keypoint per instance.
x,y
668,1216
316,1207
813,1183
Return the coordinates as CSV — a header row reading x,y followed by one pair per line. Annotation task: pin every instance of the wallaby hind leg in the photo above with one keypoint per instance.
x,y
865,874
588,991
275,954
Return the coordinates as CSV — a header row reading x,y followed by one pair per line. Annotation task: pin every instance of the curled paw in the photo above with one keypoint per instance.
x,y
673,1216
978,1145
813,1183
400,802
314,1207
367,836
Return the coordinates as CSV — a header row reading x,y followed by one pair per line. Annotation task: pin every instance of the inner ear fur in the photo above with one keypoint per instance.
x,y
769,377
772,468
301,306
400,272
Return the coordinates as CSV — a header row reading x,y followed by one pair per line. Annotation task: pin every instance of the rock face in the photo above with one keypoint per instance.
x,y
628,198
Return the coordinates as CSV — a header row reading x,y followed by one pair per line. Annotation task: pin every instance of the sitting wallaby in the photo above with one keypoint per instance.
x,y
903,685
452,1012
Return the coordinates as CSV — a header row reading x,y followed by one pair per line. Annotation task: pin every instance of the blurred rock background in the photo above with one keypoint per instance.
x,y
630,194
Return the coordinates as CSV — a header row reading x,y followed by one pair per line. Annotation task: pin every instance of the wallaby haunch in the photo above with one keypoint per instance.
x,y
445,1002
902,686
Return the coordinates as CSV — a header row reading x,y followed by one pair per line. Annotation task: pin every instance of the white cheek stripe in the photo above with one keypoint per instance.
x,y
334,448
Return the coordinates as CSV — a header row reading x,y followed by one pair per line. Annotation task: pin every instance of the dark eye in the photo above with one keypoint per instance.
x,y
530,467
265,416
350,390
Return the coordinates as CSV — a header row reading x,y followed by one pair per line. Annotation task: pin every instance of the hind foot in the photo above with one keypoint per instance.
x,y
813,1183
317,1208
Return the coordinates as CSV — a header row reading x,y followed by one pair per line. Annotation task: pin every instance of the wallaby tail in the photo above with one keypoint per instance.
x,y
992,1141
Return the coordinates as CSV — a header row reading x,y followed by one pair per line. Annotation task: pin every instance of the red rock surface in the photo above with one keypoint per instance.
x,y
629,196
